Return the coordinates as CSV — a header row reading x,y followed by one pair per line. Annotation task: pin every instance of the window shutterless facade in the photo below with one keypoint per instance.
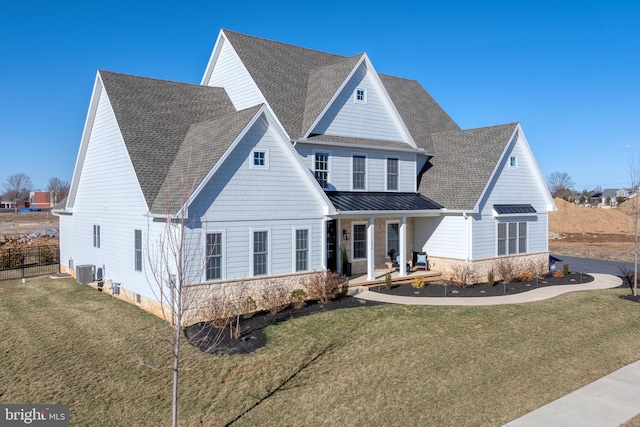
x,y
302,250
96,236
214,256
321,169
392,174
260,253
512,238
138,249
359,167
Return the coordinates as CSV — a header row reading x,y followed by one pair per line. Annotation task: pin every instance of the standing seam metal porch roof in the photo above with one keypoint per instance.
x,y
348,201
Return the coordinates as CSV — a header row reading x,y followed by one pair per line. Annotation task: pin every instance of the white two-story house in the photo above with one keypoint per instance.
x,y
282,159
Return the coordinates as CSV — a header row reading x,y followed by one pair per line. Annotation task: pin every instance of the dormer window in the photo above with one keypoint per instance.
x,y
360,96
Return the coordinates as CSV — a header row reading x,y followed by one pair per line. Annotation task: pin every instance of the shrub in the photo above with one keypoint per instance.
x,y
418,282
344,287
506,268
387,281
565,268
248,307
491,278
298,297
274,296
538,267
526,276
323,286
558,273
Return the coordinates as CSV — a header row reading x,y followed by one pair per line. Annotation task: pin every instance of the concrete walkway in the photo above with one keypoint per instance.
x,y
607,402
601,281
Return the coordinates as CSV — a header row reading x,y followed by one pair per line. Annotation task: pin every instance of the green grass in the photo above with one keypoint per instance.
x,y
61,342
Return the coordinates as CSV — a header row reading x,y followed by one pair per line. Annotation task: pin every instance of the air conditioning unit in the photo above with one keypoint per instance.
x,y
85,273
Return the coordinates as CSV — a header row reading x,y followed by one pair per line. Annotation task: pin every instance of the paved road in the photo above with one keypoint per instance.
x,y
586,265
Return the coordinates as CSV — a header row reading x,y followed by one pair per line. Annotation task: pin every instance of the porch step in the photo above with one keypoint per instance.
x,y
428,276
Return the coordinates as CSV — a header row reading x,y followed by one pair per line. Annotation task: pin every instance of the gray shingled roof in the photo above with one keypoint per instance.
x,y
463,162
358,141
154,117
297,82
203,146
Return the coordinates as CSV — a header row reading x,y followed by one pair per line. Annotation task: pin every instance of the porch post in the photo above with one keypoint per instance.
x,y
370,252
402,243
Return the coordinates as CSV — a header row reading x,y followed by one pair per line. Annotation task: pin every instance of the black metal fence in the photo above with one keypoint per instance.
x,y
29,261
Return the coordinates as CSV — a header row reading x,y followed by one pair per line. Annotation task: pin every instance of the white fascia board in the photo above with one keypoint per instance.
x,y
217,47
418,151
98,87
268,115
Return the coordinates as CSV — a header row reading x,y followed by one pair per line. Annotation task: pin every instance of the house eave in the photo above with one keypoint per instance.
x,y
388,213
419,151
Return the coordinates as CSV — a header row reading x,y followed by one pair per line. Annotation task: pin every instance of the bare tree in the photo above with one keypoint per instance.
x,y
560,184
17,188
58,189
175,266
634,169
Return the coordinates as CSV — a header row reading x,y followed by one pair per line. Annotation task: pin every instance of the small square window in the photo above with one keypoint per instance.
x,y
260,159
513,162
360,96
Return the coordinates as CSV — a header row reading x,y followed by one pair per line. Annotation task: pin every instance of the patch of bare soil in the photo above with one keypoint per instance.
x,y
591,232
25,222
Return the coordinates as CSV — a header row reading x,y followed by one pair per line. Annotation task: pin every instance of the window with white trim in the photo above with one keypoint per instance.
x,y
513,162
359,176
512,238
321,169
302,250
359,241
260,253
392,174
360,96
137,237
260,159
214,256
96,236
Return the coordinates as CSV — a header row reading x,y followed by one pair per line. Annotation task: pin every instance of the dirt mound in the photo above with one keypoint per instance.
x,y
574,219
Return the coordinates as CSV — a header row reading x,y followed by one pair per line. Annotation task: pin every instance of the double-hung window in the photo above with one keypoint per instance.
x,y
260,253
302,250
359,241
392,174
214,256
512,238
137,234
393,239
321,169
96,236
359,167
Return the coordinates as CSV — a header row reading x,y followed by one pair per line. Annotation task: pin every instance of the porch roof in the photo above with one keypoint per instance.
x,y
354,201
514,209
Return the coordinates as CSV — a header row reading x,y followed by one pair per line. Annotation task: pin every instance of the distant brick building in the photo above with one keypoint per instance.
x,y
40,199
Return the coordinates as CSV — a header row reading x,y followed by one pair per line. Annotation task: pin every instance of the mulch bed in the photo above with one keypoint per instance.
x,y
440,289
252,330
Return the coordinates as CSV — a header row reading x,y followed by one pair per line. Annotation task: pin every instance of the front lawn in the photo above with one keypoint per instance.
x,y
62,342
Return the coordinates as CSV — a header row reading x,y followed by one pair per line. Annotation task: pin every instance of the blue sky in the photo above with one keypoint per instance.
x,y
568,71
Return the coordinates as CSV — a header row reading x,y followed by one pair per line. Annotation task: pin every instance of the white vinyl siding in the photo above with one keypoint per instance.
x,y
340,173
446,237
230,73
371,119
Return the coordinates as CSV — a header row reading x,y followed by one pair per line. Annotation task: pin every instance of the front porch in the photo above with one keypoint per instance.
x,y
396,278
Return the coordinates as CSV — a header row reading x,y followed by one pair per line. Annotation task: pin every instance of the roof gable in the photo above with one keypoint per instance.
x,y
154,116
463,163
